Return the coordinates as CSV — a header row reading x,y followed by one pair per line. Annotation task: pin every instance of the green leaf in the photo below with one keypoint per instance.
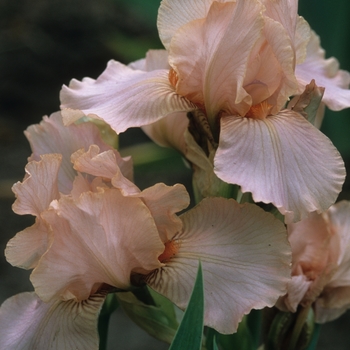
x,y
190,332
160,322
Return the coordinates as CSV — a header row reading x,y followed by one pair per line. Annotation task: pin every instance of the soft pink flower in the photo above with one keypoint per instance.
x,y
96,232
235,61
320,263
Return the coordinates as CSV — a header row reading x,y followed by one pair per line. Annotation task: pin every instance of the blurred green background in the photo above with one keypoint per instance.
x,y
45,43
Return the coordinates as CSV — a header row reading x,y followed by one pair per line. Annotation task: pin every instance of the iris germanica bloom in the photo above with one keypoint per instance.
x,y
238,62
320,264
96,233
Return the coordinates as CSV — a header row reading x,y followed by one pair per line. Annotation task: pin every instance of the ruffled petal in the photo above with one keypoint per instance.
x,y
326,73
123,97
51,136
339,215
282,160
297,288
173,14
155,59
27,323
245,258
211,63
100,238
164,202
104,165
28,246
39,187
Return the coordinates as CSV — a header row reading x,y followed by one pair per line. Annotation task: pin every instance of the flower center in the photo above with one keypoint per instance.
x,y
259,111
173,77
171,248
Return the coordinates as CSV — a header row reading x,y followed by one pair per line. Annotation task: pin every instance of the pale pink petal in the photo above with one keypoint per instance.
x,y
311,242
101,238
104,165
245,258
281,45
164,202
297,288
155,59
169,131
332,303
339,215
326,73
27,323
124,97
211,62
51,136
39,186
173,14
28,246
283,160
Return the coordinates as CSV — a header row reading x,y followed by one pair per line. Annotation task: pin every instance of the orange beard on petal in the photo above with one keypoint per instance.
x,y
259,111
173,77
171,248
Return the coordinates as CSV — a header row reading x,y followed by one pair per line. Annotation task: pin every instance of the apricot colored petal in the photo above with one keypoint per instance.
x,y
281,45
245,258
39,186
26,323
123,97
211,62
169,131
155,59
283,160
173,14
310,241
339,215
51,136
104,165
326,73
332,303
297,288
27,247
164,202
101,238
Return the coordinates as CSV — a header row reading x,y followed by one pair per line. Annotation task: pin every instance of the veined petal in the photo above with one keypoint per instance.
x,y
155,59
326,73
100,238
27,247
173,14
164,202
283,160
104,165
27,323
211,63
245,259
169,131
51,136
39,187
124,97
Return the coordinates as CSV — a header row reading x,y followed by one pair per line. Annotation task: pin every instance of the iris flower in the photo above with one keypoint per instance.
x,y
320,263
238,63
97,233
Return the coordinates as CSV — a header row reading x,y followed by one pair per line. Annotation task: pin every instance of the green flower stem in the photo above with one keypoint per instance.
x,y
110,305
299,324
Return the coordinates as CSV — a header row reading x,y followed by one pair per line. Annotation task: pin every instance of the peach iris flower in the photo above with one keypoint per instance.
x,y
96,232
238,62
320,263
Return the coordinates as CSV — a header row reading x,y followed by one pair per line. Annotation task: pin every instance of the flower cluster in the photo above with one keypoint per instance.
x,y
239,90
